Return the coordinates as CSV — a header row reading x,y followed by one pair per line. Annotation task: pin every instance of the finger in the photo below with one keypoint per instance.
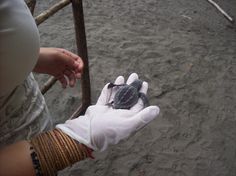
x,y
106,93
78,70
73,61
140,105
63,81
68,53
78,75
131,78
103,98
80,64
71,77
144,88
66,58
144,117
79,61
119,80
72,64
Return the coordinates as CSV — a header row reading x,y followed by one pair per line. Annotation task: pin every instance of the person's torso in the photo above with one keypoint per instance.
x,y
19,44
23,111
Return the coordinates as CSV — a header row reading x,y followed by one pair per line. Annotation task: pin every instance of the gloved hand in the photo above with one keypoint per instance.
x,y
102,125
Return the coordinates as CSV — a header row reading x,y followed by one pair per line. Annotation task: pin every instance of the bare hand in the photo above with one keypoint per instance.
x,y
60,63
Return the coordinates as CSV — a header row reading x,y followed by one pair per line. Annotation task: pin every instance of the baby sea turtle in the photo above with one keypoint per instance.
x,y
128,95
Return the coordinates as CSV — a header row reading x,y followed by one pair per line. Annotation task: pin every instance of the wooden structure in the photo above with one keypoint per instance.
x,y
225,14
77,9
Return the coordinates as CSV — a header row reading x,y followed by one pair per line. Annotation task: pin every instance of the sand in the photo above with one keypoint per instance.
x,y
186,50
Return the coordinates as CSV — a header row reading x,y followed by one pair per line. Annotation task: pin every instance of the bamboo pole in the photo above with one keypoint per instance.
x,y
49,83
31,5
51,11
229,18
77,7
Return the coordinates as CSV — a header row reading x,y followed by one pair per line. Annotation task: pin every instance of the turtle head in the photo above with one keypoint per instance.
x,y
137,84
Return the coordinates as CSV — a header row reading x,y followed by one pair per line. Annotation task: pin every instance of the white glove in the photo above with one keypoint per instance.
x,y
102,125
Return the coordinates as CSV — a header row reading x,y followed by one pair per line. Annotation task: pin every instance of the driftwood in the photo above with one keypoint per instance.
x,y
52,10
229,18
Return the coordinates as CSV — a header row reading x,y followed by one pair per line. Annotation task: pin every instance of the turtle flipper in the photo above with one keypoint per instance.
x,y
144,99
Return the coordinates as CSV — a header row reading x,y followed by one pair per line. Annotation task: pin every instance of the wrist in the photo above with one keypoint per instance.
x,y
79,130
55,151
89,151
40,65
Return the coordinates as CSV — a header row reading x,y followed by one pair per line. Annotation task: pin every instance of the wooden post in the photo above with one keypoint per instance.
x,y
77,7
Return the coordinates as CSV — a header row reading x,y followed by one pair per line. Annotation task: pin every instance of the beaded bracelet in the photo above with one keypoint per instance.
x,y
35,162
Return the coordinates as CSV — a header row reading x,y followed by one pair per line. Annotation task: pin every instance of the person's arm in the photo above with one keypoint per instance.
x,y
45,154
101,126
61,64
15,160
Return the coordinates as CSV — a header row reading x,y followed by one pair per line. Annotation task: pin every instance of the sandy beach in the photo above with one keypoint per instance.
x,y
186,50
